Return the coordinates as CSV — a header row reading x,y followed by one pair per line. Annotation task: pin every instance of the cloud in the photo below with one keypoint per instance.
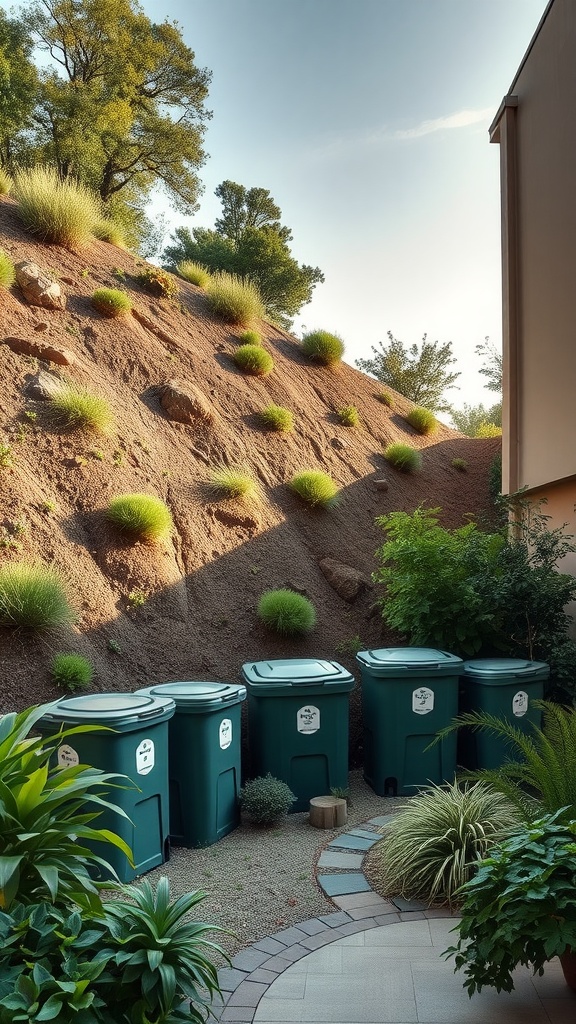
x,y
461,119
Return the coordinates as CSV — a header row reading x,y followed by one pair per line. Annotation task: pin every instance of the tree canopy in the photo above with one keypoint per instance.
x,y
421,373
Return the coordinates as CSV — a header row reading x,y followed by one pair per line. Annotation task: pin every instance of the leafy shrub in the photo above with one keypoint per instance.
x,y
71,671
348,416
488,430
403,457
251,338
235,300
233,482
276,417
78,409
108,231
323,347
159,282
459,464
385,398
434,843
315,487
111,302
286,612
195,273
142,516
253,359
423,420
7,272
60,212
32,596
6,183
6,456
266,799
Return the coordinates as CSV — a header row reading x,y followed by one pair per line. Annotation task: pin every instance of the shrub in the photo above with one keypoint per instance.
x,y
71,671
459,464
266,799
385,398
111,302
77,408
251,338
253,359
6,183
195,273
423,420
488,430
233,482
61,212
32,596
315,488
7,272
6,456
286,612
433,845
276,417
323,347
142,516
108,231
235,300
348,416
159,282
403,457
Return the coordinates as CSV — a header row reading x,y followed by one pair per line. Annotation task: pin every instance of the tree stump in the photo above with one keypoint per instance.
x,y
328,811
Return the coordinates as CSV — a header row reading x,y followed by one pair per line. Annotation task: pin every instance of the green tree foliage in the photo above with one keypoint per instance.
x,y
421,373
248,240
471,418
18,81
492,368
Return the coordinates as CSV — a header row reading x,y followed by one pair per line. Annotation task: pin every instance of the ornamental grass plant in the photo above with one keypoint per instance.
x,y
276,417
6,183
193,272
254,360
315,487
348,416
250,338
111,302
77,408
59,212
286,612
140,516
403,457
33,596
233,482
423,420
108,231
7,271
235,300
71,671
323,347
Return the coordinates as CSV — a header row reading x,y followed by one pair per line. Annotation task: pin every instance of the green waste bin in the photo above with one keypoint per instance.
x,y
138,748
204,759
408,694
298,724
504,687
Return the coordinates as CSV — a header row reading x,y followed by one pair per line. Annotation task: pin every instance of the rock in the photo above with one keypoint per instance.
x,y
185,403
42,350
45,385
338,443
346,581
68,280
41,326
37,288
381,485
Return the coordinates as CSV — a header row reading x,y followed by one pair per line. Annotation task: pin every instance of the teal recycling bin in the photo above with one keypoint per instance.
x,y
136,747
408,694
204,759
298,724
504,687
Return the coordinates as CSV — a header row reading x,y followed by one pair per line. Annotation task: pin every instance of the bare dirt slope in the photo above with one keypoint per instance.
x,y
198,621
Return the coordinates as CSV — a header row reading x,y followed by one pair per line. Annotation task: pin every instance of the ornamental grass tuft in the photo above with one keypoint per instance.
x,y
233,482
323,347
78,409
111,302
32,596
254,360
423,420
108,231
7,271
141,516
276,417
403,457
315,487
235,300
71,671
250,338
348,416
286,612
193,272
59,212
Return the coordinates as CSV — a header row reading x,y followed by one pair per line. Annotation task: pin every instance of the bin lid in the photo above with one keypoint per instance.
x,y
200,696
113,709
410,662
290,672
501,669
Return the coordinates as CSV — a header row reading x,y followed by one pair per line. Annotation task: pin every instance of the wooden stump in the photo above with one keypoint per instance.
x,y
328,811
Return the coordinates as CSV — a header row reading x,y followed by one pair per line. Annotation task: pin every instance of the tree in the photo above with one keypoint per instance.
x,y
492,368
421,374
470,419
18,83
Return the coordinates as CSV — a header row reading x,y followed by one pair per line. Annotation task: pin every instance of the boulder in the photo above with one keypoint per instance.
x,y
37,288
345,580
42,350
45,385
381,484
185,403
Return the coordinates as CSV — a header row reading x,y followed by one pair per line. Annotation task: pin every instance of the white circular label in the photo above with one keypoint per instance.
x,y
308,719
520,704
145,757
67,757
225,733
422,701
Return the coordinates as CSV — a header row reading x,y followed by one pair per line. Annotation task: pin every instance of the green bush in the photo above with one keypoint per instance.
x,y
235,300
7,272
253,359
141,516
323,347
71,671
286,612
60,212
488,430
423,420
251,338
159,282
195,273
315,487
266,799
403,457
6,183
385,398
108,231
348,416
111,302
78,409
276,417
233,482
459,464
32,596
433,844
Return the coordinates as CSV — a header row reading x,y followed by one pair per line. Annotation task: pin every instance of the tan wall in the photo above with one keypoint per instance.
x,y
560,504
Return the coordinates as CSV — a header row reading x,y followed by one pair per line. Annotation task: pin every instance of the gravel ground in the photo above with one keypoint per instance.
x,y
261,880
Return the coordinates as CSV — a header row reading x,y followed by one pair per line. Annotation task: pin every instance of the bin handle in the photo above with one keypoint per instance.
x,y
306,682
150,713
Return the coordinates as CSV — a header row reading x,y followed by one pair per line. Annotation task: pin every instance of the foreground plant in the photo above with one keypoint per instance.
x,y
57,211
315,487
111,302
323,347
6,183
7,271
141,516
286,612
234,299
266,800
78,409
403,457
348,416
33,596
233,482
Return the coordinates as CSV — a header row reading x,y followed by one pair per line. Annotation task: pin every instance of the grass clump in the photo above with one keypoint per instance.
x,y
111,302
78,409
323,347
403,457
348,416
385,398
7,272
6,183
71,671
32,596
250,338
315,487
108,231
253,359
159,282
60,212
276,417
266,800
235,300
233,482
286,612
6,456
142,516
423,420
193,272
433,844
460,464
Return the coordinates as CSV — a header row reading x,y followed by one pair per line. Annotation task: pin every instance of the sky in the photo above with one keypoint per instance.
x,y
367,120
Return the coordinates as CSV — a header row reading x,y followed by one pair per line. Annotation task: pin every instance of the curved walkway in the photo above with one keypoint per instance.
x,y
373,961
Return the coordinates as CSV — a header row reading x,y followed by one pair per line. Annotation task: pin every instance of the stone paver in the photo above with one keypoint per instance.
x,y
340,885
